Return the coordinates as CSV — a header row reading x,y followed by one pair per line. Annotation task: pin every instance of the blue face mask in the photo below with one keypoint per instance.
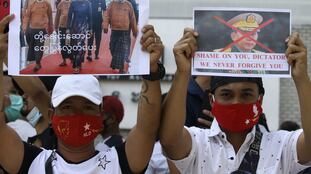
x,y
13,111
33,116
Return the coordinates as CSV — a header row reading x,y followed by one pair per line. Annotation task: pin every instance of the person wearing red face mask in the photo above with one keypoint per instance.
x,y
77,118
234,143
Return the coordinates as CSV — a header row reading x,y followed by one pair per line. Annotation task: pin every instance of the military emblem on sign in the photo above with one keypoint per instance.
x,y
251,18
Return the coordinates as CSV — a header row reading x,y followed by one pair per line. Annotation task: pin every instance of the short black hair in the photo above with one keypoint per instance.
x,y
289,126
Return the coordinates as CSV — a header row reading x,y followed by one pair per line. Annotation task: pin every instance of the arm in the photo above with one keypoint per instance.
x,y
141,139
106,19
297,58
176,140
57,16
26,18
39,95
49,13
11,146
70,16
90,17
133,22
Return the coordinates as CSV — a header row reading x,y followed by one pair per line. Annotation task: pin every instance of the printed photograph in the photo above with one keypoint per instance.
x,y
235,35
79,37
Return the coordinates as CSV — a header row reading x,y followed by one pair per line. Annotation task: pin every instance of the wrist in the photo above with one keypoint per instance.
x,y
157,72
182,72
301,79
154,68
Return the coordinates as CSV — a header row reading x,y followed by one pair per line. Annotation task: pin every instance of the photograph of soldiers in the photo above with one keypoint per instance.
x,y
120,17
37,21
61,26
79,22
98,8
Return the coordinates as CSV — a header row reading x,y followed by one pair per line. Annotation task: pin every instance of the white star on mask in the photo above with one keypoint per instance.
x,y
86,127
247,121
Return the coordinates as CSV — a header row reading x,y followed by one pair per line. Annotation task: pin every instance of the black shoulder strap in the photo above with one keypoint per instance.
x,y
48,163
251,158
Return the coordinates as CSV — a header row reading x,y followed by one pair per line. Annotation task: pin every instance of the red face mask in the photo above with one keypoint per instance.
x,y
237,117
77,130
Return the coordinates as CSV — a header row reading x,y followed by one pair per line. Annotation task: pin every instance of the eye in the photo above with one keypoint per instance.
x,y
225,94
248,95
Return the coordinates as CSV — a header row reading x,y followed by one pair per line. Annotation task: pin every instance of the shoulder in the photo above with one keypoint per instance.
x,y
127,3
280,138
198,133
31,154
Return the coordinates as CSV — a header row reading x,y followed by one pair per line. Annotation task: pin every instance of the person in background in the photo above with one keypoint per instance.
x,y
98,9
77,100
60,25
233,142
289,126
113,114
79,22
120,17
38,17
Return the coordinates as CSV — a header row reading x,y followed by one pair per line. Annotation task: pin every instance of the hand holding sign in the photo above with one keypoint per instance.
x,y
184,50
296,54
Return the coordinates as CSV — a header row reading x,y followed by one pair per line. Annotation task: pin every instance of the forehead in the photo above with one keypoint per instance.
x,y
77,100
238,86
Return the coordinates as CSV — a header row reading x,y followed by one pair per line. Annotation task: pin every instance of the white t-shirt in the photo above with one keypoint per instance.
x,y
111,161
158,162
23,129
212,153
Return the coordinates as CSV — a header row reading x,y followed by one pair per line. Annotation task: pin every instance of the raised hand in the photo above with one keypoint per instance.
x,y
184,50
152,43
296,54
4,38
206,121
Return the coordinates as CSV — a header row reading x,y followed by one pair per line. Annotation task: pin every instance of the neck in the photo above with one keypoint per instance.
x,y
236,139
76,155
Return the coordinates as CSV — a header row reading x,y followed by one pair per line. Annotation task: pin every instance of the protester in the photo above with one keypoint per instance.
x,y
113,114
289,126
234,141
121,22
37,22
76,120
98,8
60,26
79,22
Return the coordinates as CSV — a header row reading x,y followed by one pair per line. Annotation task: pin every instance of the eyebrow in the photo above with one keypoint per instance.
x,y
225,90
248,90
243,90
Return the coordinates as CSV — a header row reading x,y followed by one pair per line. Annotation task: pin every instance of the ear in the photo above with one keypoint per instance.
x,y
233,36
260,98
51,113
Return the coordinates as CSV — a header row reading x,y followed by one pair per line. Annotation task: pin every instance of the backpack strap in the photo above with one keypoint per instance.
x,y
250,161
48,163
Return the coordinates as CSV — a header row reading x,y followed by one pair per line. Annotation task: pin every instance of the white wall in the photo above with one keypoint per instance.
x,y
126,88
167,8
170,31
